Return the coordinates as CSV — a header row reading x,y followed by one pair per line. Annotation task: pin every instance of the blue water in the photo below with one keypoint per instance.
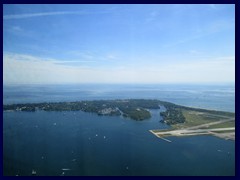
x,y
89,144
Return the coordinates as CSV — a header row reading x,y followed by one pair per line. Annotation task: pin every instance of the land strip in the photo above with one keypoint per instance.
x,y
226,133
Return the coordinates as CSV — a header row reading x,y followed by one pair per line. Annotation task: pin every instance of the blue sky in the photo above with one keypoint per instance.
x,y
118,44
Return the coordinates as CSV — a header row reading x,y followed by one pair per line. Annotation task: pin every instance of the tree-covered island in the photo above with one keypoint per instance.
x,y
137,109
134,109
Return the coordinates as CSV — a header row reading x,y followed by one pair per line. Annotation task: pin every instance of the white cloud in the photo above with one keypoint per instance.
x,y
31,15
152,16
94,56
194,52
25,69
203,31
112,57
20,16
16,28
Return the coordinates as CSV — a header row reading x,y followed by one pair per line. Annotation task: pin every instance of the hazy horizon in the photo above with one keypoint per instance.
x,y
130,84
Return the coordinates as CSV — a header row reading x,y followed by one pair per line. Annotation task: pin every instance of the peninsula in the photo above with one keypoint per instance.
x,y
183,121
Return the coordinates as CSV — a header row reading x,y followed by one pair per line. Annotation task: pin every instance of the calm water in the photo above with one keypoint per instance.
x,y
88,144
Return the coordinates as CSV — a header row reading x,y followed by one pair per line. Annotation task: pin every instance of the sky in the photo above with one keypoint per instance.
x,y
58,44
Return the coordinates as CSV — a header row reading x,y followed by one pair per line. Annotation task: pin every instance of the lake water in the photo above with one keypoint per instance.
x,y
88,144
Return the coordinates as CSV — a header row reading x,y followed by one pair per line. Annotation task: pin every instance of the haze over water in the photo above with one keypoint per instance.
x,y
218,97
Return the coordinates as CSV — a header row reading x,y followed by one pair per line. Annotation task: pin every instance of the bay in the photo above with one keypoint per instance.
x,y
78,143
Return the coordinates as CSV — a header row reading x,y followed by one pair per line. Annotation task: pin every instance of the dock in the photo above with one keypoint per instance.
x,y
160,137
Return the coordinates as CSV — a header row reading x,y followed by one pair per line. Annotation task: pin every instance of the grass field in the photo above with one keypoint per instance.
x,y
194,118
223,125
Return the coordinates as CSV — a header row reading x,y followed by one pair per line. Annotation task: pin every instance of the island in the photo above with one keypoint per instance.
x,y
182,120
137,109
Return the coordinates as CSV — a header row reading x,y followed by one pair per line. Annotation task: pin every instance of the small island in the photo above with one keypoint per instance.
x,y
183,121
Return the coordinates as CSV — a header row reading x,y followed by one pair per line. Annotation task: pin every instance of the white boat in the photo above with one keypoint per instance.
x,y
34,172
66,169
